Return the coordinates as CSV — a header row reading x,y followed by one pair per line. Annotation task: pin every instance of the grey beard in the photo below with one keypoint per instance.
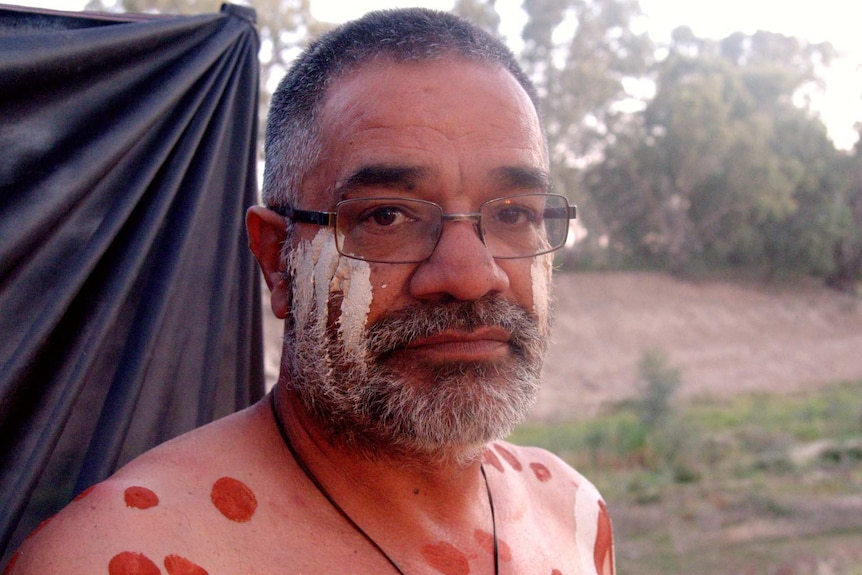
x,y
387,405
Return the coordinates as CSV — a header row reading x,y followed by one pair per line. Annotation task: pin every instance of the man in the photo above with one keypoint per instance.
x,y
406,243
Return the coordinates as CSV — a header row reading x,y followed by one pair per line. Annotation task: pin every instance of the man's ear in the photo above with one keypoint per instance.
x,y
266,236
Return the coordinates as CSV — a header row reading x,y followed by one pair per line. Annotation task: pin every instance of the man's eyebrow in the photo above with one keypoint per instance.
x,y
382,176
518,178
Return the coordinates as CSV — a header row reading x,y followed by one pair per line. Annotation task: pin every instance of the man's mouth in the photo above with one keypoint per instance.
x,y
482,344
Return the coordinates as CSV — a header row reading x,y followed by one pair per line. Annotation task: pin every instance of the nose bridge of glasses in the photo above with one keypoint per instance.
x,y
474,217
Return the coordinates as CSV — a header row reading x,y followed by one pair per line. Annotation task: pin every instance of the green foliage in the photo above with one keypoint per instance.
x,y
580,55
659,383
723,169
745,437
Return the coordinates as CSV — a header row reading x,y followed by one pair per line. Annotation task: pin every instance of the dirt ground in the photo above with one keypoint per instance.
x,y
724,337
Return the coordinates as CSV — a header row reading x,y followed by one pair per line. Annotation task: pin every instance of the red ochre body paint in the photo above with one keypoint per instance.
x,y
556,572
541,472
140,498
486,542
509,457
11,563
130,563
234,499
602,553
446,558
39,528
17,553
84,493
177,565
491,459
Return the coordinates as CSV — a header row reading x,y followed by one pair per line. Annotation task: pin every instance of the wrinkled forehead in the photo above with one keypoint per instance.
x,y
450,109
446,91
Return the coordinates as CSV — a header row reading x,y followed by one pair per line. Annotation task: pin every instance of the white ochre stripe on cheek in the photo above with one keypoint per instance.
x,y
312,266
325,263
353,280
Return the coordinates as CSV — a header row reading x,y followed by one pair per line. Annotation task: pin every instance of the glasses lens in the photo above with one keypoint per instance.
x,y
388,230
526,225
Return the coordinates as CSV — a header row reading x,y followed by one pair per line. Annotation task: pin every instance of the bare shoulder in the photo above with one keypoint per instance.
x,y
542,474
546,495
148,517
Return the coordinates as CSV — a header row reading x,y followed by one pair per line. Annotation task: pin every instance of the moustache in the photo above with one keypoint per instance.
x,y
400,328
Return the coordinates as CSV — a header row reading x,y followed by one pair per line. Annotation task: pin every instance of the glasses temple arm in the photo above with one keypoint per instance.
x,y
306,216
567,213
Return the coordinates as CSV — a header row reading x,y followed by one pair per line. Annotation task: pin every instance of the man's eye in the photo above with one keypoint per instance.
x,y
384,216
515,215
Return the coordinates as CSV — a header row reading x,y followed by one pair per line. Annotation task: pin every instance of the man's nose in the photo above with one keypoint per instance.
x,y
460,267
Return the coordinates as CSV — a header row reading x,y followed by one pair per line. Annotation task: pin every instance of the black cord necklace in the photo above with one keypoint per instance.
x,y
316,482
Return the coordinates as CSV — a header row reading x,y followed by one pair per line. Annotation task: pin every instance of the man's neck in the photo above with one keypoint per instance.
x,y
398,484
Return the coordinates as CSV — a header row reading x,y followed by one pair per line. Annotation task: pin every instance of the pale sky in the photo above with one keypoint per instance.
x,y
836,21
817,20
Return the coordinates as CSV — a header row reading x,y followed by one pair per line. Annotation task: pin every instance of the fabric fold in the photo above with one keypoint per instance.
x,y
129,302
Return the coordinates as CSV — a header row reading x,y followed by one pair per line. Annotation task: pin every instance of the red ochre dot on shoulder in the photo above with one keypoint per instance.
x,y
541,472
446,558
491,459
177,565
509,457
556,572
234,499
140,497
131,563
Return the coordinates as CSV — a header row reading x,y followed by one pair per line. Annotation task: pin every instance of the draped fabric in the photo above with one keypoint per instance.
x,y
129,301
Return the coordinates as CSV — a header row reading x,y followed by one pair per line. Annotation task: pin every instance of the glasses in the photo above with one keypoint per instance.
x,y
402,231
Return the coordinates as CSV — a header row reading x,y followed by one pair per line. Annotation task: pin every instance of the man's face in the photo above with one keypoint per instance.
x,y
438,356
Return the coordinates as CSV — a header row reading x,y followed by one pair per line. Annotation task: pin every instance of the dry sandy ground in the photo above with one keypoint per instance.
x,y
724,338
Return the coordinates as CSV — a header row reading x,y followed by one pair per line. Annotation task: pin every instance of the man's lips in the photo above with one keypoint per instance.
x,y
478,345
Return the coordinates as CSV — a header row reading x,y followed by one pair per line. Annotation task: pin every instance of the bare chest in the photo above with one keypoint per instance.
x,y
312,541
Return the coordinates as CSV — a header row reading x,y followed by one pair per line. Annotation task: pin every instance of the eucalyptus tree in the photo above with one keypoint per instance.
x,y
720,157
846,271
583,55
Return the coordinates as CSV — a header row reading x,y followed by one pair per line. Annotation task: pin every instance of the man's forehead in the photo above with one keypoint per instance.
x,y
394,122
383,78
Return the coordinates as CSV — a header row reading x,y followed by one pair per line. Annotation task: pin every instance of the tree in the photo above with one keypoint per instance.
x,y
580,54
847,245
802,242
719,155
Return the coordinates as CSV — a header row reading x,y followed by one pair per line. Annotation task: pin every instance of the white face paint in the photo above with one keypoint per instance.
x,y
345,376
540,274
320,272
325,264
353,280
301,261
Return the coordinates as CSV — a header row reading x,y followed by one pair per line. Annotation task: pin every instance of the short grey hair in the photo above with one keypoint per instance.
x,y
292,144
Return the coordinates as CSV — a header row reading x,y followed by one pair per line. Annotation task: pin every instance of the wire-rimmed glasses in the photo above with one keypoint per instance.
x,y
406,230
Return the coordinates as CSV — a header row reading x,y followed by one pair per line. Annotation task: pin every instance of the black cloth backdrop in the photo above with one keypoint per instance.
x,y
129,302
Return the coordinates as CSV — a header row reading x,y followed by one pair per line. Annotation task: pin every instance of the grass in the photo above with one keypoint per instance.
x,y
750,484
